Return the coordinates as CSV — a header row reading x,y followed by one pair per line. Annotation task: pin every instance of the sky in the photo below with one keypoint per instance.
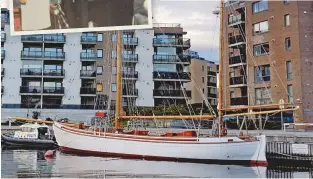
x,y
197,19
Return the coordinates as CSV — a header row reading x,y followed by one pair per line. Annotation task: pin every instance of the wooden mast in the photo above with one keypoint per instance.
x,y
118,80
221,67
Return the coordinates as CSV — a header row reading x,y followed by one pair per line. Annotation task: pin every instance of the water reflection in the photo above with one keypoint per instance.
x,y
33,164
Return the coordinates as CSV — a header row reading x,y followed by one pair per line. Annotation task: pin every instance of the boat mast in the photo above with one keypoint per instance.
x,y
221,69
118,80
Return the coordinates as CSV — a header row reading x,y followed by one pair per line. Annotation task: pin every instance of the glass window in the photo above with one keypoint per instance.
x,y
113,70
260,6
288,44
262,74
99,53
286,1
99,87
289,70
290,93
286,20
113,87
100,37
99,70
261,49
113,54
263,96
113,37
260,27
202,79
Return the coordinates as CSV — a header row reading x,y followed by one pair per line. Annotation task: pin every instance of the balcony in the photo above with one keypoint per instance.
x,y
88,39
130,75
32,38
54,38
238,80
211,73
3,36
171,76
53,90
88,73
2,71
43,55
130,92
236,101
31,72
169,59
169,42
30,89
130,41
88,56
211,95
2,54
236,41
130,58
88,91
171,93
53,73
212,84
237,60
236,20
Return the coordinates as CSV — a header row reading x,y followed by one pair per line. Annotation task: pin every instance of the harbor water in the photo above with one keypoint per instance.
x,y
33,164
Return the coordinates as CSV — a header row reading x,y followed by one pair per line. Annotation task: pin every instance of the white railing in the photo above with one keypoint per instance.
x,y
297,124
177,25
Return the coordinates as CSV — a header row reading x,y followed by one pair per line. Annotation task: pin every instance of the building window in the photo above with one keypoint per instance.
x,y
202,68
113,54
113,87
288,44
99,70
260,27
286,20
202,90
99,53
262,74
100,37
263,96
113,70
289,70
260,6
113,37
99,87
286,1
232,94
290,94
202,79
261,49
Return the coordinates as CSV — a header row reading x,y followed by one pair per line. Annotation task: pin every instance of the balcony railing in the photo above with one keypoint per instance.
x,y
171,42
53,90
171,75
88,73
236,39
211,95
170,58
87,90
130,58
238,80
209,83
88,55
130,92
239,101
43,54
211,73
54,38
172,93
85,38
53,72
237,59
130,74
130,41
31,71
36,38
236,18
30,89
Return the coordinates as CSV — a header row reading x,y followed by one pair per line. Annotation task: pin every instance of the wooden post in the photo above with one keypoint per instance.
x,y
118,80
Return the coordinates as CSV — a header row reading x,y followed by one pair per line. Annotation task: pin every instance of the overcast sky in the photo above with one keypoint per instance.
x,y
196,18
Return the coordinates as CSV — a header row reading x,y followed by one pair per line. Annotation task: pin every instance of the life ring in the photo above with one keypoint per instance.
x,y
224,132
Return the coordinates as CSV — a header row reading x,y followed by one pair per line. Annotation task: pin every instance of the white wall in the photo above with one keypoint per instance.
x,y
12,65
72,66
145,84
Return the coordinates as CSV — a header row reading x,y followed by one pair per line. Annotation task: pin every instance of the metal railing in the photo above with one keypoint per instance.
x,y
171,25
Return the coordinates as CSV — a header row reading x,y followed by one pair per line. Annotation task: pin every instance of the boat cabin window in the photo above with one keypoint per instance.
x,y
27,129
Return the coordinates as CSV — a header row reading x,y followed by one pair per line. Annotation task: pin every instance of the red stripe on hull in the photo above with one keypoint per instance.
x,y
160,158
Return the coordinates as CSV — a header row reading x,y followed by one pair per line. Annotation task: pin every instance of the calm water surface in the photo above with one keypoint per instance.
x,y
33,164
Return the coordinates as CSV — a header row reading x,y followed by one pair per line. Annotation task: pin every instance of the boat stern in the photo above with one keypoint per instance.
x,y
259,157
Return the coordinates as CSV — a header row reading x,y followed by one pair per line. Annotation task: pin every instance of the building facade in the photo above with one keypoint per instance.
x,y
64,72
267,54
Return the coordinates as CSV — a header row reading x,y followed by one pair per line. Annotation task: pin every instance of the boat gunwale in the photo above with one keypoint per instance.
x,y
145,138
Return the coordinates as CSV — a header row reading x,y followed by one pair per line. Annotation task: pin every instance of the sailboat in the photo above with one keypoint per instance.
x,y
186,146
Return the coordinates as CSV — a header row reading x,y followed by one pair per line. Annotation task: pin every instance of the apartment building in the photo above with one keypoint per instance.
x,y
268,54
204,81
74,71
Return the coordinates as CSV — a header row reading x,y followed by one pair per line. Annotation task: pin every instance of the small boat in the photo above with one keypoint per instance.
x,y
30,136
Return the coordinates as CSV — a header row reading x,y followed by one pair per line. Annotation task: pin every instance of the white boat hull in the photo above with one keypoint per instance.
x,y
207,150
